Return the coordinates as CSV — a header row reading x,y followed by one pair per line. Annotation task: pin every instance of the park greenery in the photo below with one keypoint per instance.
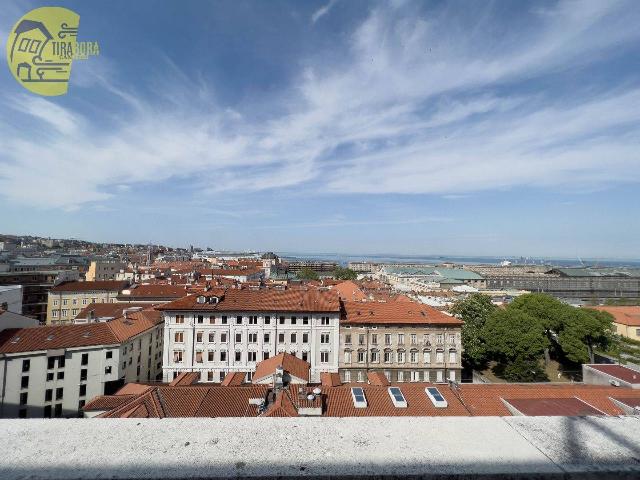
x,y
341,273
520,339
307,273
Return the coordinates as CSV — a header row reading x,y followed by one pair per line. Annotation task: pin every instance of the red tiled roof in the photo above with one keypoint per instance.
x,y
377,378
553,407
156,291
261,300
109,310
330,379
629,316
102,285
633,402
107,402
185,378
620,372
348,290
233,379
67,336
395,313
290,363
282,406
228,272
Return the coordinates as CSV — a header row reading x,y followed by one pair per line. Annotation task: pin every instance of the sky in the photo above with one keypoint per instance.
x,y
455,128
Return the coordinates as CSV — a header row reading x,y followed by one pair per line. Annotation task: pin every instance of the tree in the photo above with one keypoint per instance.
x,y
582,331
516,340
473,311
307,273
341,273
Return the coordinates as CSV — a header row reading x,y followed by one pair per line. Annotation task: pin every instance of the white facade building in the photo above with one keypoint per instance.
x,y
52,371
221,332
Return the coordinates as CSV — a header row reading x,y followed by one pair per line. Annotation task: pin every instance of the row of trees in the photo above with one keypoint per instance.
x,y
339,273
533,328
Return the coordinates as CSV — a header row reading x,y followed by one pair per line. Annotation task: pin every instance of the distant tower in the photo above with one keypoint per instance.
x,y
148,254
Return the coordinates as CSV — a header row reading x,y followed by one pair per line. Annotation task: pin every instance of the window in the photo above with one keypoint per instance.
x,y
452,375
427,376
55,303
223,320
294,338
439,356
84,301
439,338
281,338
347,339
223,337
294,320
85,359
177,356
212,320
347,376
281,320
238,356
253,320
388,356
223,356
48,395
374,339
47,411
305,320
452,356
65,312
65,302
200,319
359,400
239,320
324,338
83,374
426,357
397,397
414,339
24,397
324,357
347,357
59,393
439,376
452,338
238,337
305,338
253,338
361,339
267,320
265,355
83,390
26,365
360,376
49,376
212,337
252,356
55,314
199,358
324,321
361,356
401,339
58,410
387,339
413,356
199,337
179,318
109,354
178,337
107,370
60,375
436,397
211,356
375,356
400,356
24,383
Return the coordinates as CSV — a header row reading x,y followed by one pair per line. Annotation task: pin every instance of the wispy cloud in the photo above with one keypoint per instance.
x,y
322,11
417,104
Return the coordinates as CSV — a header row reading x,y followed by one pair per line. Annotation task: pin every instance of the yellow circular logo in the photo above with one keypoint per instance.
x,y
40,49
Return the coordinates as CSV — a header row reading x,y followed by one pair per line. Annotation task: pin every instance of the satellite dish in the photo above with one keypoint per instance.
x,y
311,397
317,391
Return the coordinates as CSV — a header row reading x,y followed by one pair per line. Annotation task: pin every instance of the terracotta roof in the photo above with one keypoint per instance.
x,y
633,402
282,406
185,378
620,372
233,379
260,300
330,379
395,313
107,402
290,363
553,407
348,290
377,378
156,291
486,399
623,315
67,336
228,272
102,285
107,310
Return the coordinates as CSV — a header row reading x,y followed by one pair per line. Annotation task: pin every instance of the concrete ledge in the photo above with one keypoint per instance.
x,y
426,447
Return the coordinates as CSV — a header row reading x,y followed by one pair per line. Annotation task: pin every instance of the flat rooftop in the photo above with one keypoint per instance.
x,y
432,447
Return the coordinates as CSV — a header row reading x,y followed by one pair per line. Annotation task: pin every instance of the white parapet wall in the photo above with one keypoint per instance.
x,y
427,447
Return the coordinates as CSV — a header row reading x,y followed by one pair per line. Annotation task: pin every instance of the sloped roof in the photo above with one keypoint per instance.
x,y
620,372
395,313
623,315
329,379
102,285
377,378
550,407
233,379
282,406
349,290
290,363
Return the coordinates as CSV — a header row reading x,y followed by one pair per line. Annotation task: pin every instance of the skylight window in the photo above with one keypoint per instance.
x,y
359,400
50,337
397,397
436,397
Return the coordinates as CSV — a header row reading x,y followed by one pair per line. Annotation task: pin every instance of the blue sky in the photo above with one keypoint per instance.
x,y
458,128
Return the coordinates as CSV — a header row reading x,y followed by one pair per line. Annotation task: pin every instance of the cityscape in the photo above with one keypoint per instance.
x,y
320,239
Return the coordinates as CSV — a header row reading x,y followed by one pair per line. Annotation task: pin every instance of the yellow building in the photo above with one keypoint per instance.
x,y
626,320
67,299
104,270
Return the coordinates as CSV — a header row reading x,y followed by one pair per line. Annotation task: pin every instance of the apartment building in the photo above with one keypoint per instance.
x,y
107,269
407,341
67,299
626,320
220,332
52,371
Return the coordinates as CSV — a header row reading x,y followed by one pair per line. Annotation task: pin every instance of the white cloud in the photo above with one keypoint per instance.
x,y
419,106
322,11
